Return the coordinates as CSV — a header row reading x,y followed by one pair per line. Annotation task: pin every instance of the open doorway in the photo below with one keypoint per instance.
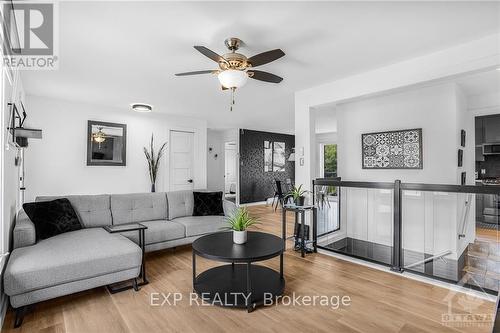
x,y
230,174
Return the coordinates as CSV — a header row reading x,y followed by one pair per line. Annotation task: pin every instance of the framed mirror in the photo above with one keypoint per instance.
x,y
279,159
106,143
268,156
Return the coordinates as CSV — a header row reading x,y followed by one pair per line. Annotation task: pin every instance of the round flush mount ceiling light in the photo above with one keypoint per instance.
x,y
232,78
141,107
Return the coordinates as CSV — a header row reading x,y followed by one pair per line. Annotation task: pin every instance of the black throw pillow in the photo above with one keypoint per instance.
x,y
52,218
208,203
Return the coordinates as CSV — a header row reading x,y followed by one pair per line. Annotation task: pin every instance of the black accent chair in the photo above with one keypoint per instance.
x,y
278,194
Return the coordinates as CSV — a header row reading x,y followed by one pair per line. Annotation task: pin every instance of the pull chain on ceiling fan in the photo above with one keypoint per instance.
x,y
235,68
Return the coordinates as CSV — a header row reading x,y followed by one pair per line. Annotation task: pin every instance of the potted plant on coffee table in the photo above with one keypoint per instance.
x,y
239,222
297,194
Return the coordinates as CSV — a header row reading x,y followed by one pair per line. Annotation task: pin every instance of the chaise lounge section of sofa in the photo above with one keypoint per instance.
x,y
92,257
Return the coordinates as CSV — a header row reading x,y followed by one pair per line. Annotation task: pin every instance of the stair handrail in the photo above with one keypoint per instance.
x,y
465,216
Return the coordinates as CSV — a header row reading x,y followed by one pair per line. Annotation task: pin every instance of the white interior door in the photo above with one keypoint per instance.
x,y
230,167
181,160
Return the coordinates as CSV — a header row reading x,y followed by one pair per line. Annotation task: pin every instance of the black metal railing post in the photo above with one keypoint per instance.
x,y
397,260
315,222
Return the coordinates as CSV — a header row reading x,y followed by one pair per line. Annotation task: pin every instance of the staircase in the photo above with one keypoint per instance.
x,y
482,265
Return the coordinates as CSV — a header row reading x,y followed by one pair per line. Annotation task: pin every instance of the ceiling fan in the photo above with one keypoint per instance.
x,y
235,68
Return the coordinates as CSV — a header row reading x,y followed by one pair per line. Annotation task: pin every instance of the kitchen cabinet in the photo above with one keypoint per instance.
x,y
479,132
491,129
479,154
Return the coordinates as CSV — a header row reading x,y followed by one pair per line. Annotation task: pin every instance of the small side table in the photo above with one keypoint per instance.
x,y
300,211
131,227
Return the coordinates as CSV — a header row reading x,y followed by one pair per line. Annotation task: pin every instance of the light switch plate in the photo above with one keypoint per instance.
x,y
301,161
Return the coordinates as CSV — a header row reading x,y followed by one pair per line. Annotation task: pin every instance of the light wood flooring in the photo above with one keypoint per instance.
x,y
381,302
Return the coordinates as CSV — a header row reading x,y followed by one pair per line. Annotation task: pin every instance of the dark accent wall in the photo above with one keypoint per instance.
x,y
255,184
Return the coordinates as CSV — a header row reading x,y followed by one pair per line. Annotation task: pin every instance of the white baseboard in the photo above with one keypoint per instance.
x,y
254,204
452,287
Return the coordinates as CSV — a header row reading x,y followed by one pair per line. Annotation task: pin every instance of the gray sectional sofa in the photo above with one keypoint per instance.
x,y
92,257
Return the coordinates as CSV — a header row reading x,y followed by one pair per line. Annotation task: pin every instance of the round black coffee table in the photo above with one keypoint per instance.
x,y
239,284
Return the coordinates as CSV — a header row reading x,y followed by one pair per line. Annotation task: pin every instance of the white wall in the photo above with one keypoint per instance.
x,y
432,108
11,91
215,166
56,165
481,54
430,220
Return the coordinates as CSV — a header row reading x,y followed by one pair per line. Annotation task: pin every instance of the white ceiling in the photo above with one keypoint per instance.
x,y
116,53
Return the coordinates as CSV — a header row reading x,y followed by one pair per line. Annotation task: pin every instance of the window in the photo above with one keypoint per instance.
x,y
330,160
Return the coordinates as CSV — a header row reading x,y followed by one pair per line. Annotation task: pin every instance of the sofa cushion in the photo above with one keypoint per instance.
x,y
52,218
138,207
92,210
69,257
207,203
199,225
158,231
180,203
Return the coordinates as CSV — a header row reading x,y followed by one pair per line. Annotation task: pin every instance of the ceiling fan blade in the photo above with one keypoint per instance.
x,y
209,53
195,73
264,76
224,88
265,57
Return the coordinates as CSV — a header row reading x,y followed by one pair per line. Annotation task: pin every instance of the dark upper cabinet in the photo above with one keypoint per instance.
x,y
479,131
491,129
487,129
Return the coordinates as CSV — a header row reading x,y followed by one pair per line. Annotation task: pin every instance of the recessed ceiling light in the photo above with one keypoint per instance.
x,y
141,107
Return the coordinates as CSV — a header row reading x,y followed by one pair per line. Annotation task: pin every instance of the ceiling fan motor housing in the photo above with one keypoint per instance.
x,y
234,61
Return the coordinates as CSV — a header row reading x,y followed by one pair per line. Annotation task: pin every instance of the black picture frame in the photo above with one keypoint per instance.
x,y
460,157
420,165
90,161
462,138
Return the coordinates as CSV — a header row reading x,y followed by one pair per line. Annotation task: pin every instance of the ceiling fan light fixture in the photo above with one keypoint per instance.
x,y
232,78
141,107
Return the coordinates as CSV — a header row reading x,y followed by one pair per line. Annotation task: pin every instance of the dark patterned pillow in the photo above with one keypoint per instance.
x,y
208,203
52,218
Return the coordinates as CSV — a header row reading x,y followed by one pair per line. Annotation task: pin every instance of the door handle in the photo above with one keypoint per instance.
x,y
190,180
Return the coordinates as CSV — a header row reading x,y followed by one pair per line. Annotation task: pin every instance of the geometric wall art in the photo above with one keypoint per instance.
x,y
400,149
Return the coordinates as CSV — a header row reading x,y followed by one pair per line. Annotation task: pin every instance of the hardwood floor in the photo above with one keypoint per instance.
x,y
380,301
488,235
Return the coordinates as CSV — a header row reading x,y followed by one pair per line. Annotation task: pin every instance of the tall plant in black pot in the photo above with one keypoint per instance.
x,y
153,158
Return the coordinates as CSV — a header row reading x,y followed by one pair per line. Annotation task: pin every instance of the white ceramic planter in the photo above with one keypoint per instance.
x,y
239,237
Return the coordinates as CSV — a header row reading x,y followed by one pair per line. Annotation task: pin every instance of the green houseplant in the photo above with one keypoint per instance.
x,y
239,222
153,158
297,193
